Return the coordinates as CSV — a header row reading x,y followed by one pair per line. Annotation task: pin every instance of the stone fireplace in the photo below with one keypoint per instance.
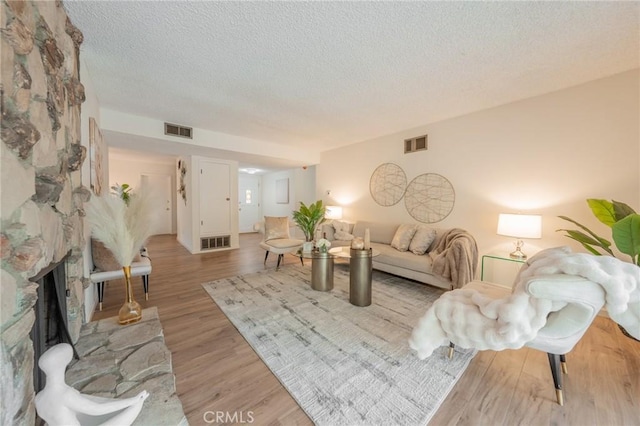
x,y
42,192
50,325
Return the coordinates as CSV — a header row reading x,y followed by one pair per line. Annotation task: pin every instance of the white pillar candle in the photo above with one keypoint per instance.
x,y
367,239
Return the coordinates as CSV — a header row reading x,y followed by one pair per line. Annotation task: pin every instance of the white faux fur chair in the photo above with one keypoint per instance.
x,y
563,328
555,298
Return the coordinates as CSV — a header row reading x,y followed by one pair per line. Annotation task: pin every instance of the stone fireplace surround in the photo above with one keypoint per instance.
x,y
42,192
41,206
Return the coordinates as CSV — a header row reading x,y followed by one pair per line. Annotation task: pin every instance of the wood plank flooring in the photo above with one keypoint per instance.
x,y
217,371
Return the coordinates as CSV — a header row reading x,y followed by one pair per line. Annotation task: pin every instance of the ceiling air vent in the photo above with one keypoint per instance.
x,y
176,130
415,144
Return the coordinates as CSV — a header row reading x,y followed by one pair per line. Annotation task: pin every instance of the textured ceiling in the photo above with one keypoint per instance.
x,y
326,74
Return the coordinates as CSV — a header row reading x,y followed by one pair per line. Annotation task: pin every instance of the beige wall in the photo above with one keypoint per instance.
x,y
90,108
123,170
541,155
301,188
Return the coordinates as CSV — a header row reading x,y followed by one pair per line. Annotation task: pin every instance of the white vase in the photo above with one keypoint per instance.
x,y
307,247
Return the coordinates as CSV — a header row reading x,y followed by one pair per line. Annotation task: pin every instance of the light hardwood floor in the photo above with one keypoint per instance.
x,y
217,371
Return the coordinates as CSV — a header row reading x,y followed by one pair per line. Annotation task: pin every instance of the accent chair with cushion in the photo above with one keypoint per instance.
x,y
563,328
277,237
554,299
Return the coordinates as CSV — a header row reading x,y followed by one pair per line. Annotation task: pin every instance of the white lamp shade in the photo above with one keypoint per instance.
x,y
333,212
520,225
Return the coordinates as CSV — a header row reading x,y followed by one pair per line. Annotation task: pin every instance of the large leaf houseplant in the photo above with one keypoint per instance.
x,y
625,229
309,217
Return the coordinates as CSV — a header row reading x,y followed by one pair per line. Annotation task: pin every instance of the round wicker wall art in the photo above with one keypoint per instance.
x,y
429,198
388,183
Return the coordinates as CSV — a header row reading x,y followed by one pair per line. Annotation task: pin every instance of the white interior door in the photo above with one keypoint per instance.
x,y
215,197
249,201
160,185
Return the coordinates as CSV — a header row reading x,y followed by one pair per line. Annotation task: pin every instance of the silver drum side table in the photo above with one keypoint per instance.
x,y
321,271
360,267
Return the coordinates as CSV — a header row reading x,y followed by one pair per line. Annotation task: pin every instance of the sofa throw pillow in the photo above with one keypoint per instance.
x,y
276,227
103,259
327,231
422,239
402,238
342,231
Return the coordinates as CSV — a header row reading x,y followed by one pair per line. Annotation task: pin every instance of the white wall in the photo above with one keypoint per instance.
x,y
184,208
90,108
302,188
541,155
305,185
129,171
143,126
188,214
269,205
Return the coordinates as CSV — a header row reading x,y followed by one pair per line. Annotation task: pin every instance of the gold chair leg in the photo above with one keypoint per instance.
x,y
554,363
100,305
451,346
564,367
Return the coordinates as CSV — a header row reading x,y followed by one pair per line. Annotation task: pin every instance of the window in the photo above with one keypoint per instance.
x,y
247,196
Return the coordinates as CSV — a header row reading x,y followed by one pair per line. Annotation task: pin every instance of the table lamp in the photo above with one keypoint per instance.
x,y
333,212
519,226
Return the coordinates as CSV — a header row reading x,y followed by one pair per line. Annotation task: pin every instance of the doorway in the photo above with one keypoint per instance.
x,y
161,186
249,202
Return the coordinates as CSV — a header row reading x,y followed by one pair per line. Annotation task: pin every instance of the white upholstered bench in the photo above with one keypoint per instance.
x,y
141,268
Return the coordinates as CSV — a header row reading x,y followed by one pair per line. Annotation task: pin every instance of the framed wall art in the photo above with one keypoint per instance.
x,y
388,183
282,191
429,198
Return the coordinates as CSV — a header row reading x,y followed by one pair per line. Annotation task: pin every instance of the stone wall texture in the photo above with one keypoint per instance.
x,y
41,190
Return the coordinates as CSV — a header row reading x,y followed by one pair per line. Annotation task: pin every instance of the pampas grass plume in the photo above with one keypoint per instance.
x,y
122,229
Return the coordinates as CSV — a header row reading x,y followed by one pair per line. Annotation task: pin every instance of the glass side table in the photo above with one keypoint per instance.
x,y
501,258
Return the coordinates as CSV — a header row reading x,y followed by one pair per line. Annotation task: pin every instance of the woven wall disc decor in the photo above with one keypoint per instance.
x,y
429,198
388,183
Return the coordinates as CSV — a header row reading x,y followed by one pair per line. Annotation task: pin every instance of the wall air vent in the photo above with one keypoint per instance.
x,y
415,144
213,243
176,130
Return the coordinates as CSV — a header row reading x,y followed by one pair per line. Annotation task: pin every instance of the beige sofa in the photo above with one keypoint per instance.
x,y
450,261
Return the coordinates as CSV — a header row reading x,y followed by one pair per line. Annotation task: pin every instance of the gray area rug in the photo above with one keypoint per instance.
x,y
344,365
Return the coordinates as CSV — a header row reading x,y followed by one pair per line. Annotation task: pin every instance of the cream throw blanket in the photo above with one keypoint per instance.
x,y
455,257
472,320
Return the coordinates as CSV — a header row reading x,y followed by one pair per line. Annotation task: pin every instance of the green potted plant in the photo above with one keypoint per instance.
x,y
309,217
625,229
122,191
